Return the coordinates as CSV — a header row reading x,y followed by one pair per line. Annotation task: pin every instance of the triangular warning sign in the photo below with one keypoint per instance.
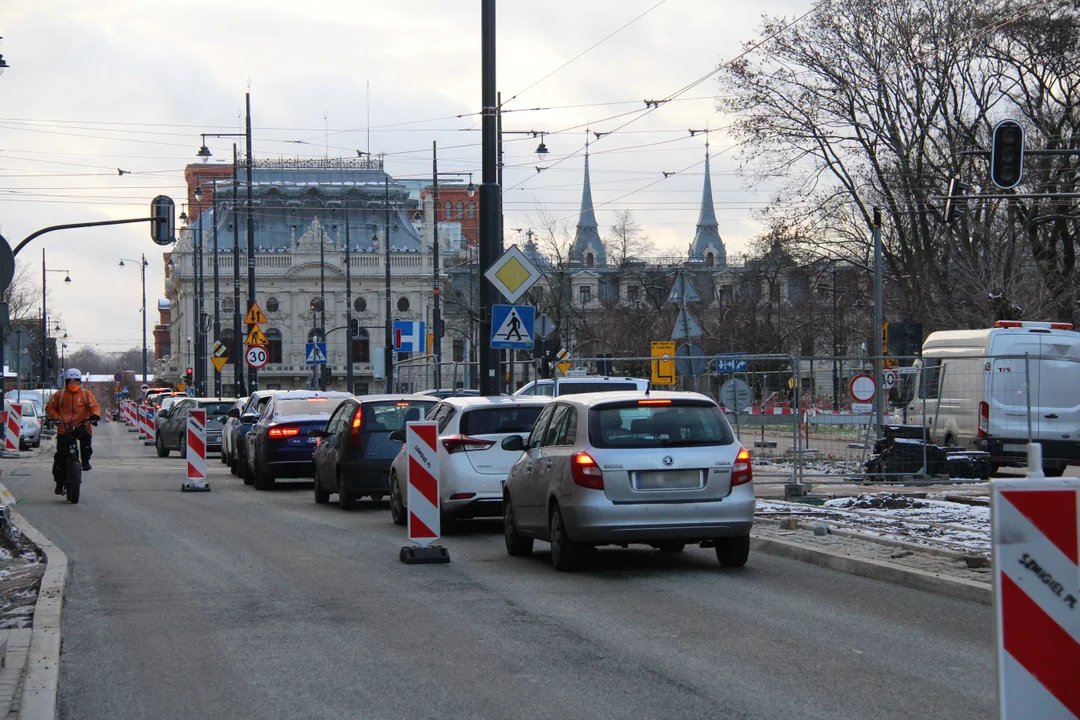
x,y
316,355
219,362
256,336
255,315
512,329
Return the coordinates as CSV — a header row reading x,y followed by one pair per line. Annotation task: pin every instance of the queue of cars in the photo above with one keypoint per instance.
x,y
575,469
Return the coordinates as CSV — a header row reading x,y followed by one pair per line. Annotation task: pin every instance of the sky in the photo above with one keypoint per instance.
x,y
94,88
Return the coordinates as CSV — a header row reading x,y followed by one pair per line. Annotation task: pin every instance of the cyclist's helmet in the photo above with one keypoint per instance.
x,y
72,374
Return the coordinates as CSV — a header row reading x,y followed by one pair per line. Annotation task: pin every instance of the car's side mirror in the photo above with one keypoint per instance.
x,y
514,443
234,413
222,418
249,419
397,436
317,433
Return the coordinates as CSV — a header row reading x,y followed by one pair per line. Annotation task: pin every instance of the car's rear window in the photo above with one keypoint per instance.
x,y
308,406
391,416
576,388
494,420
678,424
215,409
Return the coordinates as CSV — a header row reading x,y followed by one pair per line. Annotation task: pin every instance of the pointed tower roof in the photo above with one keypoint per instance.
x,y
708,233
587,236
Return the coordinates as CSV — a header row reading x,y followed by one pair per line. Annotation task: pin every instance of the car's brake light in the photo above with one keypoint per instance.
x,y
742,471
403,404
318,399
654,402
1008,324
461,443
984,419
283,432
357,420
586,472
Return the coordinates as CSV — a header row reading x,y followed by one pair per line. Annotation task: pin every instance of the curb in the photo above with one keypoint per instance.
x,y
878,570
42,675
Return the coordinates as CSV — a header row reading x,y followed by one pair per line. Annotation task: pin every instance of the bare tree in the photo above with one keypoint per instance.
x,y
626,242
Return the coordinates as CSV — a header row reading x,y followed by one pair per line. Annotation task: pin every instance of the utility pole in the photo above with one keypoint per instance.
x,y
388,351
490,199
348,309
253,375
44,326
238,339
879,319
835,347
217,294
200,288
322,303
436,312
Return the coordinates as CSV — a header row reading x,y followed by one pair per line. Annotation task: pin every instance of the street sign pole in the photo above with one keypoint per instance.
x,y
490,197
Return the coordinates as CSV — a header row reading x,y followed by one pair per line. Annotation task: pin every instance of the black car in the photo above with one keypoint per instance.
x,y
278,445
355,451
246,417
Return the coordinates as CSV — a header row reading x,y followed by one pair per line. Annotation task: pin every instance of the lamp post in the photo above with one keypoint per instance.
x,y
200,293
436,312
44,314
348,310
388,351
142,271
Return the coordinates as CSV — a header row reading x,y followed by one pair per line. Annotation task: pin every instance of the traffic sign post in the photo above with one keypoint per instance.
x,y
409,336
512,327
512,274
196,452
422,497
690,360
255,316
735,396
888,379
731,362
315,353
1036,559
256,356
663,364
863,388
255,336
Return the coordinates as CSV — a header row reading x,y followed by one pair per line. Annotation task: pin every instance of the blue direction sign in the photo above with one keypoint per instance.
x,y
512,327
409,336
315,353
731,362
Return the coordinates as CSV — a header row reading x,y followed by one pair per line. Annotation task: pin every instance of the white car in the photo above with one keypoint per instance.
x,y
578,385
472,463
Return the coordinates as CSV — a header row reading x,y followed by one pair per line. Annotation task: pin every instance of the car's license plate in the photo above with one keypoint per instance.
x,y
667,480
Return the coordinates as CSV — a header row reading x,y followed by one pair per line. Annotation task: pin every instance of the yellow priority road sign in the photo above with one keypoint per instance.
x,y
255,337
255,316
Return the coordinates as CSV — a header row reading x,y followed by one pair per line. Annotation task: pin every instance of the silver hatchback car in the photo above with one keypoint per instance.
x,y
662,469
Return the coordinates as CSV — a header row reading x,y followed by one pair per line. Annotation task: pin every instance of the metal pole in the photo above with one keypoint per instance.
x,y
200,309
490,200
253,375
322,303
436,312
44,326
217,296
1027,391
348,310
388,350
879,319
505,367
238,339
835,348
144,358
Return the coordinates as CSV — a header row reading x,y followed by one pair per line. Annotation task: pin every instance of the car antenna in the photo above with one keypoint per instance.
x,y
648,387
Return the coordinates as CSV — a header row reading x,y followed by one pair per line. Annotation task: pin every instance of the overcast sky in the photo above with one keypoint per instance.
x,y
130,84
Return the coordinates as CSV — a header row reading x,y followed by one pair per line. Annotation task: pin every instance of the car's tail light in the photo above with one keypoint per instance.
x,y
283,432
1061,326
742,471
357,420
462,443
1008,324
984,419
585,471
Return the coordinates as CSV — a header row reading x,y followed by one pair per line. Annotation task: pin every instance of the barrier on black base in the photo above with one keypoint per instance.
x,y
14,428
151,426
422,496
196,452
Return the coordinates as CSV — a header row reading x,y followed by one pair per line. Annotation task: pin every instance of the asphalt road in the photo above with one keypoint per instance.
x,y
245,604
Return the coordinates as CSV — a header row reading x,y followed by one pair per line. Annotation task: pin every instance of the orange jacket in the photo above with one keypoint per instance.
x,y
72,408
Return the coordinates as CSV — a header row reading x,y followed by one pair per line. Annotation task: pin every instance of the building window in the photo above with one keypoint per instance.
x,y
460,210
447,214
585,294
710,259
273,345
360,305
459,350
166,350
227,305
472,211
272,304
633,294
590,261
403,304
361,347
228,340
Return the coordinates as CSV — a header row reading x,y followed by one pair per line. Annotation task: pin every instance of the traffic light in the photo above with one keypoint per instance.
x,y
354,327
189,376
1007,154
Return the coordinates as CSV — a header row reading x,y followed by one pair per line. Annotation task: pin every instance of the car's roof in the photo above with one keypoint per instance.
x,y
472,401
589,399
304,394
591,379
201,400
390,398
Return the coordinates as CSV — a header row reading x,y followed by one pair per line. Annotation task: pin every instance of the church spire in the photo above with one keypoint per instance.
x,y
707,243
588,217
587,247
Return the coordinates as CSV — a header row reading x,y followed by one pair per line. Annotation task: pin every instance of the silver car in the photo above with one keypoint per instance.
x,y
662,469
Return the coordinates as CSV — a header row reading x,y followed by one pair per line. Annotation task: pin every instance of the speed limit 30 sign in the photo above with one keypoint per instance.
x,y
256,356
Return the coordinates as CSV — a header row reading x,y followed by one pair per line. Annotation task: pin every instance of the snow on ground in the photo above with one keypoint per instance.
x,y
933,522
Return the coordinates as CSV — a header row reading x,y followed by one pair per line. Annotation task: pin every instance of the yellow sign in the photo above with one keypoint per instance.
x,y
255,337
891,362
181,386
663,367
885,337
791,383
255,316
219,362
562,361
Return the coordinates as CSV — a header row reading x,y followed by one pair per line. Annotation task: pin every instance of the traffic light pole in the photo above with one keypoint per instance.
x,y
490,200
348,309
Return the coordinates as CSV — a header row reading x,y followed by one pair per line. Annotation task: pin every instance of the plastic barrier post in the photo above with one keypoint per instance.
x,y
196,452
3,447
133,417
421,440
151,427
14,428
1036,546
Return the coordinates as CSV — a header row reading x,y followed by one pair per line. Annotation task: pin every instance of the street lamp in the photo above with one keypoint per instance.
x,y
3,63
142,271
45,314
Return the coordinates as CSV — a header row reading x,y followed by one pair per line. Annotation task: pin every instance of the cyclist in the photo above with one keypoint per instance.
x,y
73,405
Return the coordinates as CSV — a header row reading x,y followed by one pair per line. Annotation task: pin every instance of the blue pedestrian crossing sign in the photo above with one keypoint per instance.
x,y
512,327
315,353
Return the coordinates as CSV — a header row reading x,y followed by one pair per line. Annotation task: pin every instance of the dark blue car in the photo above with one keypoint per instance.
x,y
278,445
246,417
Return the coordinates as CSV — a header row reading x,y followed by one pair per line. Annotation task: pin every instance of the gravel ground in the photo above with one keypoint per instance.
x,y
21,568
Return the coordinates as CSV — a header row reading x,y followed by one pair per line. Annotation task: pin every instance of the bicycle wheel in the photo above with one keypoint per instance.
x,y
74,480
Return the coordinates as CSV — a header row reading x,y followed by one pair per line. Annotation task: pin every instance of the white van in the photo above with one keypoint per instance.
x,y
583,384
971,387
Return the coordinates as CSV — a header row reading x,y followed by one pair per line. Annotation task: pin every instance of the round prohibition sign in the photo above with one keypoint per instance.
x,y
256,356
863,388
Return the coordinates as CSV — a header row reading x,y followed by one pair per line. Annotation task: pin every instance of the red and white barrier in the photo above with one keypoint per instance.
x,y
151,426
771,411
14,427
144,423
1036,543
196,452
421,439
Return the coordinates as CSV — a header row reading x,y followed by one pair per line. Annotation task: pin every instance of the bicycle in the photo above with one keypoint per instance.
x,y
73,464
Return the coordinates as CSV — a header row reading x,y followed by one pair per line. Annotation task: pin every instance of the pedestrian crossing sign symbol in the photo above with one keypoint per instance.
x,y
512,327
315,353
255,337
255,315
